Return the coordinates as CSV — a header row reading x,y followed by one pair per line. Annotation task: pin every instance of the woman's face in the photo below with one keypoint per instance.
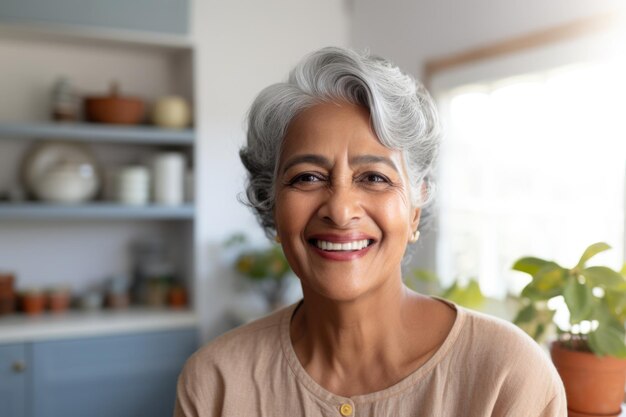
x,y
343,211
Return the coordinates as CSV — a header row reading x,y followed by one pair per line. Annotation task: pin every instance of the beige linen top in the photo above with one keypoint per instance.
x,y
485,367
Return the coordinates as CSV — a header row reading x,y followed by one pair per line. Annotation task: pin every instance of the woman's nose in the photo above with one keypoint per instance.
x,y
342,205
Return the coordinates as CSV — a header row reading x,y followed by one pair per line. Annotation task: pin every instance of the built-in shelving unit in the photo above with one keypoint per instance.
x,y
147,48
149,64
28,211
92,132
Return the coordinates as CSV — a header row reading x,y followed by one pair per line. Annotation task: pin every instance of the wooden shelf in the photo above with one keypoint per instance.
x,y
94,132
25,211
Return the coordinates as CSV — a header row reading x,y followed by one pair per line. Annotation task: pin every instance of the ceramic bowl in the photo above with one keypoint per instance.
x,y
67,183
74,171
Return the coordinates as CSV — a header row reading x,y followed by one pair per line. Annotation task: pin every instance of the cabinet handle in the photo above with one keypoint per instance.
x,y
19,366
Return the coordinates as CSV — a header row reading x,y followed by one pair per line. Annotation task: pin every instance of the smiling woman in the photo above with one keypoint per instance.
x,y
339,159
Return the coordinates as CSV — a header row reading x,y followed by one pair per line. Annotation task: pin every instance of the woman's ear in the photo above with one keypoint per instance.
x,y
415,218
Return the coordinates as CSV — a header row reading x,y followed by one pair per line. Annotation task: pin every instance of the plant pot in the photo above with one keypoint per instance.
x,y
59,300
594,385
177,297
33,302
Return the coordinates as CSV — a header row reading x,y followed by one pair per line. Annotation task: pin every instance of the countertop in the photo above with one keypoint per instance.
x,y
20,328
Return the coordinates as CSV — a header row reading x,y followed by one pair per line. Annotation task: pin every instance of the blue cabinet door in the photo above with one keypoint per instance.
x,y
161,16
14,371
122,376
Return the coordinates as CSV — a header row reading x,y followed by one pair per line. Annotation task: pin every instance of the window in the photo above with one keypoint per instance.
x,y
532,164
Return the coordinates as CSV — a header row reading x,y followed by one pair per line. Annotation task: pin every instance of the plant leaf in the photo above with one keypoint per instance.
x,y
526,314
607,340
549,276
529,264
547,282
616,302
602,276
592,251
579,300
470,296
425,275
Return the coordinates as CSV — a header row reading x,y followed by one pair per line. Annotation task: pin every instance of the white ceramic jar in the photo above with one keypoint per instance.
x,y
133,185
169,178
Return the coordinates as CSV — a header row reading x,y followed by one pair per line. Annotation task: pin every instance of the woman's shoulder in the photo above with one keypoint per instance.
x,y
505,358
256,341
486,333
246,338
239,358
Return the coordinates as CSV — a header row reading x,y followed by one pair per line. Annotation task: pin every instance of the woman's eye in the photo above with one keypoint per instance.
x,y
306,178
373,177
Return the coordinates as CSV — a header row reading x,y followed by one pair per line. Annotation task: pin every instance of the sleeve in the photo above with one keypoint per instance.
x,y
557,407
200,390
520,373
185,405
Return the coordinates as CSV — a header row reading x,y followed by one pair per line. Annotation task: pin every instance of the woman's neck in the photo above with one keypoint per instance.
x,y
365,345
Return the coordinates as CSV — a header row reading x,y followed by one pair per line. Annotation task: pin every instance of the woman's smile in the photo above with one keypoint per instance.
x,y
341,247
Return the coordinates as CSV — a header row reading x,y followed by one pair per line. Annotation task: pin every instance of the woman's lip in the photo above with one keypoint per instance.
x,y
335,238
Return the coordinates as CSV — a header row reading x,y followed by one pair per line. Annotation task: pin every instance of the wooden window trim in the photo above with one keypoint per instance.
x,y
577,28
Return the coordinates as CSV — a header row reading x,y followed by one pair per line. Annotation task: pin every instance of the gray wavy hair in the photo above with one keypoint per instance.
x,y
402,114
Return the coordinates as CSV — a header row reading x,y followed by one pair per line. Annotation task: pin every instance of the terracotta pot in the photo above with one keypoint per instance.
x,y
177,297
33,303
7,293
114,109
59,300
594,385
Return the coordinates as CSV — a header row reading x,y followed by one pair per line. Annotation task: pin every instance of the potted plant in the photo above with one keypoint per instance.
x,y
266,267
589,353
427,282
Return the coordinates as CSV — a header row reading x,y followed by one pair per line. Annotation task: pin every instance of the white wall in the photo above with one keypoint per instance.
x,y
410,32
242,47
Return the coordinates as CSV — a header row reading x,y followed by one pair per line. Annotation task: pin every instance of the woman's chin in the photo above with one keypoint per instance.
x,y
341,290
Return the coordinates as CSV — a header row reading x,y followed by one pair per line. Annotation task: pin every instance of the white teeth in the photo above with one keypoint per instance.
x,y
349,246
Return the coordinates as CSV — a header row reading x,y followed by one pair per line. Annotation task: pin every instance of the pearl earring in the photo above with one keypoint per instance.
x,y
414,236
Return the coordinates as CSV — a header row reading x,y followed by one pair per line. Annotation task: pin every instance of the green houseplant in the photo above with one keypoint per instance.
x,y
425,281
266,267
594,340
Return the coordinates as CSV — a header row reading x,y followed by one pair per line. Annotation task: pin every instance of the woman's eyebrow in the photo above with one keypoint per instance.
x,y
308,158
373,159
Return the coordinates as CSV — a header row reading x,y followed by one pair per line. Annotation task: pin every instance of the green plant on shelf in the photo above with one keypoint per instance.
x,y
595,297
467,294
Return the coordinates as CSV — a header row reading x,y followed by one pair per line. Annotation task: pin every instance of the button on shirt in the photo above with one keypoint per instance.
x,y
345,410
